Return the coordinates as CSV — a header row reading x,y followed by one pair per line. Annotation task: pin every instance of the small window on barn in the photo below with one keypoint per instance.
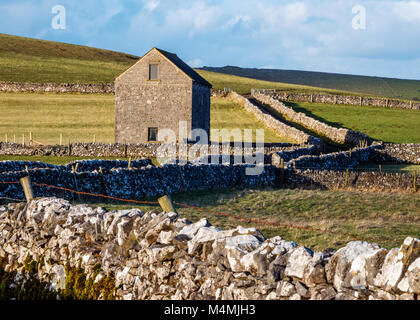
x,y
152,135
153,72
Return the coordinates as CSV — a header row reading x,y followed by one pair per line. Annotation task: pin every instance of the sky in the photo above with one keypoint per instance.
x,y
364,37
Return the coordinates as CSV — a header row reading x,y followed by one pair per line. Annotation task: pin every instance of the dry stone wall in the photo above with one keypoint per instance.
x,y
336,160
79,165
141,150
163,256
348,100
351,180
279,127
398,153
136,183
338,135
141,181
57,87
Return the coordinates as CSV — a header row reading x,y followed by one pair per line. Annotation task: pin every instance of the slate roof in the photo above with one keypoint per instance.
x,y
185,68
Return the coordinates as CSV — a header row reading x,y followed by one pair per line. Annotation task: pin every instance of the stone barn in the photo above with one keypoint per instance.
x,y
156,93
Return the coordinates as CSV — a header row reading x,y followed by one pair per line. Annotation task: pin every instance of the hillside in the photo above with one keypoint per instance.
x,y
32,60
395,88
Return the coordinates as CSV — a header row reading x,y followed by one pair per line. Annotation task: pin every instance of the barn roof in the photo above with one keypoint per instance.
x,y
185,68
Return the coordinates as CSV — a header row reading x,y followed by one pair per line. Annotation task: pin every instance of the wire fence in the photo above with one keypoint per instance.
x,y
214,212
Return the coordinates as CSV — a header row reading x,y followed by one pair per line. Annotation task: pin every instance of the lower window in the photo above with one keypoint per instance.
x,y
152,134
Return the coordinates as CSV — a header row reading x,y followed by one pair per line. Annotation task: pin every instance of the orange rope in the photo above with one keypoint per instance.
x,y
94,194
228,215
281,225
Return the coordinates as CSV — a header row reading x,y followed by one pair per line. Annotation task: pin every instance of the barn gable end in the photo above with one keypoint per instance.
x,y
143,103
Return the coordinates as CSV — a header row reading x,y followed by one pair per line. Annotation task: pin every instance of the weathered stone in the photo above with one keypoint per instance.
x,y
396,264
323,293
355,265
285,289
297,261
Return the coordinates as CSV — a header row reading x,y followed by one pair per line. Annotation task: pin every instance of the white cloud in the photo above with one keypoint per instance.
x,y
195,63
151,5
408,10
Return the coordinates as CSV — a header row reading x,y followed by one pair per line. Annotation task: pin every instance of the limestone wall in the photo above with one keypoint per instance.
x,y
338,135
57,87
337,160
135,255
145,181
398,153
141,150
348,100
269,121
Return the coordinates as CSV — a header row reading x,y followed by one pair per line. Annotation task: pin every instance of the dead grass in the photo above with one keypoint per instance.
x,y
316,219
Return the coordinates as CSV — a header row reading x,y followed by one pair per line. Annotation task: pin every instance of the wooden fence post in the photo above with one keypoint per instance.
x,y
166,204
27,188
6,137
14,138
23,140
30,138
61,139
69,149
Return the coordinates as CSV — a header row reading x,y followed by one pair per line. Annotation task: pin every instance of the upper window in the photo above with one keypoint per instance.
x,y
153,72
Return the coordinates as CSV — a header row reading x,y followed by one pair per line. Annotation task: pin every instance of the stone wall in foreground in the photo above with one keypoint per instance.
x,y
134,255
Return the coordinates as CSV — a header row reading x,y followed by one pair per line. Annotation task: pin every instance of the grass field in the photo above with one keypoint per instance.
x,y
228,115
81,117
375,217
386,124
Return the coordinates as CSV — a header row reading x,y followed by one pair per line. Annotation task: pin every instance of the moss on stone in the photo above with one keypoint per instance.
x,y
30,289
78,286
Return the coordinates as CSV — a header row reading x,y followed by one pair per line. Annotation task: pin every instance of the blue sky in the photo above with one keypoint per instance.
x,y
315,35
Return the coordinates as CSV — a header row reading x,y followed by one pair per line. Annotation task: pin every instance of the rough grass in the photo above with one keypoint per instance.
x,y
386,124
244,85
32,60
340,216
229,115
80,117
77,117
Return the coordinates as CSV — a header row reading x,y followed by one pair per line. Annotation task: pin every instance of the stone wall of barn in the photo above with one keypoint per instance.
x,y
141,103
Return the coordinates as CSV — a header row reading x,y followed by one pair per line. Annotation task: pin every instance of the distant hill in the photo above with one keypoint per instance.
x,y
31,60
396,88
